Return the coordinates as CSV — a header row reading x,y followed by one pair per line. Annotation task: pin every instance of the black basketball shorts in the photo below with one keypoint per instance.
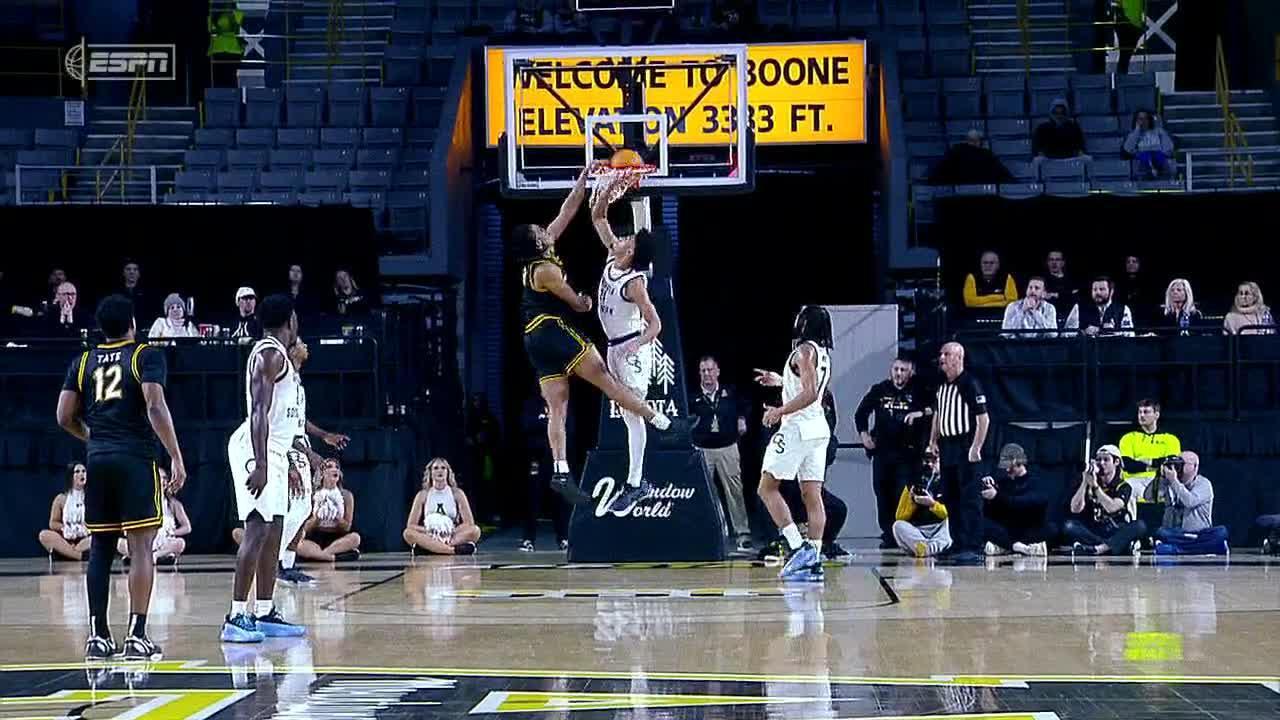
x,y
554,348
122,493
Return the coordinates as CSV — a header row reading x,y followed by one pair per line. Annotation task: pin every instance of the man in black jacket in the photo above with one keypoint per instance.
x,y
1014,516
893,443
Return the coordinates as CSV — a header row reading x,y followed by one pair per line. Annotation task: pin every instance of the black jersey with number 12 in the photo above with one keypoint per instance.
x,y
109,380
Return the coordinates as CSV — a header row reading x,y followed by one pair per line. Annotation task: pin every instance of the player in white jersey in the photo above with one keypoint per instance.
x,y
631,324
262,474
798,450
304,459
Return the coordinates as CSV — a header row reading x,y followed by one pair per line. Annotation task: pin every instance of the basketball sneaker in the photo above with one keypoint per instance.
x,y
141,648
564,545
241,629
466,548
800,563
630,495
526,546
1034,549
348,556
99,648
563,483
273,625
833,551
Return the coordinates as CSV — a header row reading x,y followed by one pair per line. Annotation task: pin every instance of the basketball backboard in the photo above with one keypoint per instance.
x,y
678,106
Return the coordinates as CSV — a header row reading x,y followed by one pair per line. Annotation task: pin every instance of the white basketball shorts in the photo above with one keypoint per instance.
x,y
274,500
790,457
633,371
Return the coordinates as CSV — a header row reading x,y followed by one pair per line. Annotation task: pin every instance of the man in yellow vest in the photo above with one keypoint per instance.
x,y
1143,449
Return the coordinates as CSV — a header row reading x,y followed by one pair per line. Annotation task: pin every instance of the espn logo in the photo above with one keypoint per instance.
x,y
121,62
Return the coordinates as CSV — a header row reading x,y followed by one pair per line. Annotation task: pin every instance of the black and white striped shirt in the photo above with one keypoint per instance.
x,y
958,403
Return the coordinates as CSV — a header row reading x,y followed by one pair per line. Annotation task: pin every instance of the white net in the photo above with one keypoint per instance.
x,y
615,182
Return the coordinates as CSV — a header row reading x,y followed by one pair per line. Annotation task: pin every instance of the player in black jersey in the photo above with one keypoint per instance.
x,y
555,348
113,399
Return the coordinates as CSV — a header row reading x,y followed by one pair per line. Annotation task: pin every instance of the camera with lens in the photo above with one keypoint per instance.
x,y
1173,461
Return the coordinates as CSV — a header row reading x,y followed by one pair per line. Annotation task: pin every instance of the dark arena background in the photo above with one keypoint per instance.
x,y
1040,230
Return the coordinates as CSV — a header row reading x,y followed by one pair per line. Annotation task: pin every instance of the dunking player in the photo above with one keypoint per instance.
x,y
631,324
798,451
303,459
113,399
555,349
262,475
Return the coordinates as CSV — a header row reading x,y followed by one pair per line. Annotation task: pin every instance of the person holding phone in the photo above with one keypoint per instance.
x,y
922,528
1014,509
1101,521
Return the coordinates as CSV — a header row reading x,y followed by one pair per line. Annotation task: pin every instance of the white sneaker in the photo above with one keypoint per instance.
x,y
1034,549
993,549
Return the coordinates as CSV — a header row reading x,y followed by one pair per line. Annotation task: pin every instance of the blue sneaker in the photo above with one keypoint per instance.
x,y
627,499
797,566
241,629
272,625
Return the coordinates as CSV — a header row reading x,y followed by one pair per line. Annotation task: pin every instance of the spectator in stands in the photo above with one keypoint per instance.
x,y
1059,137
67,537
1032,313
1144,448
1179,307
1150,147
970,163
57,277
1014,510
922,527
1101,522
1248,309
719,421
302,302
131,275
1187,528
1136,293
247,327
440,521
347,298
64,319
893,444
174,322
991,287
1102,316
175,525
1059,287
327,534
728,15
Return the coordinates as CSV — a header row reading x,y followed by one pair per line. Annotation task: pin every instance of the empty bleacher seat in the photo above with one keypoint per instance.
x,y
246,160
274,197
347,105
335,138
260,138
222,107
1091,95
918,169
949,54
194,182
212,160
50,139
377,158
408,30
413,179
1099,125
1003,128
1103,145
1024,171
493,13
320,197
281,181
858,14
14,138
923,130
903,12
927,149
369,181
1054,170
334,159
774,13
920,98
945,12
239,181
1066,188
439,65
408,212
392,137
452,14
913,60
376,202
415,11
1012,147
1019,191
1117,187
326,180
1135,92
214,137
288,159
422,137
402,65
1006,96
814,14
974,190
963,97
427,105
389,106
45,157
415,158
296,138
263,107
1104,170
303,106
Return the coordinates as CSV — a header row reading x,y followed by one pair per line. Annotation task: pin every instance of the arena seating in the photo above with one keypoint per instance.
x,y
35,147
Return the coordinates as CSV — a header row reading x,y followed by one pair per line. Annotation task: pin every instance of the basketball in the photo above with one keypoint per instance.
x,y
625,157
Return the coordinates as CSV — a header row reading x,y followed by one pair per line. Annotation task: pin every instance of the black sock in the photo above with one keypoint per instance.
x,y
137,625
102,550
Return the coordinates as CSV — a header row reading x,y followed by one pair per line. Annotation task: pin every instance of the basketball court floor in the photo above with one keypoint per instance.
x,y
527,636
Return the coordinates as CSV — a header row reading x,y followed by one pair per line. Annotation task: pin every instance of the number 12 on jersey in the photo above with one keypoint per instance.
x,y
106,383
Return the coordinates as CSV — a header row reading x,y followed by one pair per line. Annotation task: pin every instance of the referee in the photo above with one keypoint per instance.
x,y
960,426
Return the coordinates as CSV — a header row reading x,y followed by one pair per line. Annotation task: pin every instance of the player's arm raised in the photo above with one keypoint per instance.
x,y
262,384
807,367
152,375
568,208
549,277
600,219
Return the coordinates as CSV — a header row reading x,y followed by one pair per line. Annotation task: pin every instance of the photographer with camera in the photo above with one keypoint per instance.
x,y
1187,495
1013,516
1101,522
922,528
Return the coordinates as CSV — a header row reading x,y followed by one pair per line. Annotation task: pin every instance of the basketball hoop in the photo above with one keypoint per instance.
x,y
624,171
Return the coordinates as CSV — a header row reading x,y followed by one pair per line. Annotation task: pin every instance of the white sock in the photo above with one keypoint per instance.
x,y
637,436
239,607
792,535
287,558
262,608
561,466
660,421
817,545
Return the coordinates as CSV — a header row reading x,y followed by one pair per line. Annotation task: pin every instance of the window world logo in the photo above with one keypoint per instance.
x,y
121,62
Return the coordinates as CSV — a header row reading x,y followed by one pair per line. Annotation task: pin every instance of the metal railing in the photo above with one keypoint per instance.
x,y
1233,135
80,185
